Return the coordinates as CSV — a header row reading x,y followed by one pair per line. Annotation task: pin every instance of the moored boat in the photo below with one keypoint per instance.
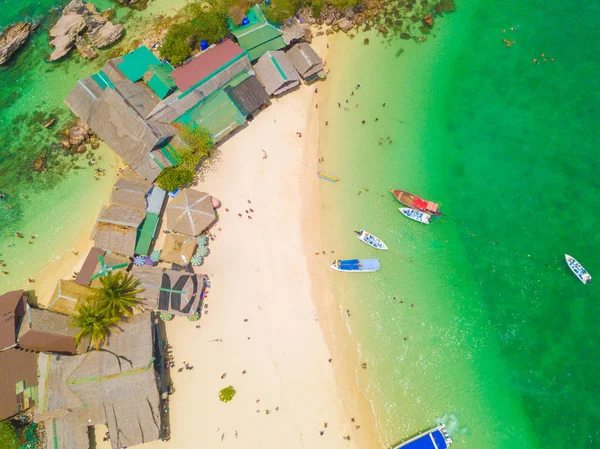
x,y
416,215
355,265
414,202
327,176
370,240
436,438
578,270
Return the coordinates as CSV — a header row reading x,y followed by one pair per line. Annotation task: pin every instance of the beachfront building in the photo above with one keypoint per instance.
x,y
178,249
46,331
169,292
201,100
92,266
249,97
18,368
276,73
256,35
307,62
191,212
118,386
115,104
128,225
66,295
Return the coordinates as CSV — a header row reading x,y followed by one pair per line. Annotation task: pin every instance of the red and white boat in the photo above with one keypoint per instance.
x,y
414,202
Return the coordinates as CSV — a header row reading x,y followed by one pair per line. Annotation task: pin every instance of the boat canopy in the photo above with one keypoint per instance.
x,y
359,264
433,439
433,207
420,204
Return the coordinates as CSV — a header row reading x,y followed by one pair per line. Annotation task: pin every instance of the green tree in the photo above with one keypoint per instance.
x,y
198,141
173,178
175,49
8,436
280,10
227,394
117,295
93,323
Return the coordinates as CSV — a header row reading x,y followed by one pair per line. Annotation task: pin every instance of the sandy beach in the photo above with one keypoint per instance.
x,y
260,331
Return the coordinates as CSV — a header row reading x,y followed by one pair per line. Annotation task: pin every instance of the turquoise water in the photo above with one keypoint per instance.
x,y
501,339
61,204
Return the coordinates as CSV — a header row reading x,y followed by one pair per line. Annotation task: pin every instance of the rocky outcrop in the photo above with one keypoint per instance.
x,y
82,19
84,48
77,136
12,38
345,25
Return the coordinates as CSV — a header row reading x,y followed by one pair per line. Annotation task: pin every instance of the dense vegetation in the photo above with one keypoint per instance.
x,y
198,147
113,301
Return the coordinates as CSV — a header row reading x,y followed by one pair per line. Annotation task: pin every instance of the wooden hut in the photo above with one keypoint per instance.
x,y
306,61
190,212
65,296
116,386
277,73
46,331
178,249
249,96
170,291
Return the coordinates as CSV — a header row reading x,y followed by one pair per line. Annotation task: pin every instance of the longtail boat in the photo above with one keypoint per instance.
x,y
414,202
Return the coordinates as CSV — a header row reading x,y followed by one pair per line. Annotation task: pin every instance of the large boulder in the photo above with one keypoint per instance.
x,y
345,25
84,48
12,38
80,18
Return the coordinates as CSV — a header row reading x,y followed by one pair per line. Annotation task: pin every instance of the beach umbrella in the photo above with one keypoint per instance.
x,y
148,261
190,213
202,251
138,261
155,256
196,260
166,316
194,317
202,240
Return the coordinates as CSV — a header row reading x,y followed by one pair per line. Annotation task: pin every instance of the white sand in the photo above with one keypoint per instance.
x,y
259,271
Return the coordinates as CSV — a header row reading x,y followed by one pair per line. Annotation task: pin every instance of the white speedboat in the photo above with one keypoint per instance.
x,y
370,240
416,215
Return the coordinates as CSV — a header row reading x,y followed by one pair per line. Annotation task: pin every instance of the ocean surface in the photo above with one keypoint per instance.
x,y
61,204
475,320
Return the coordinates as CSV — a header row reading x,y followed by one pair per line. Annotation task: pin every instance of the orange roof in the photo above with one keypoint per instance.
x,y
205,64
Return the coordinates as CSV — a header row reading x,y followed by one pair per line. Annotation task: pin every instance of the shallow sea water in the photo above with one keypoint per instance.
x,y
501,340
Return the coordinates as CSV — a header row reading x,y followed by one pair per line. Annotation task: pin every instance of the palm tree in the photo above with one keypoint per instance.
x,y
117,295
92,322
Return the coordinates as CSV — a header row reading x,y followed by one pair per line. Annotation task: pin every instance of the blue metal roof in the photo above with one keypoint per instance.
x,y
430,440
155,200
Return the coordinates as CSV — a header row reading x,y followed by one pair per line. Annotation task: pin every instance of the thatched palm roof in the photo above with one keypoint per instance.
x,y
178,249
170,291
118,239
190,212
122,216
116,385
65,297
46,331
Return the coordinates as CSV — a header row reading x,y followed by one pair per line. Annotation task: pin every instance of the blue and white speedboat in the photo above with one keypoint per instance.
x,y
370,240
416,215
436,438
355,265
578,270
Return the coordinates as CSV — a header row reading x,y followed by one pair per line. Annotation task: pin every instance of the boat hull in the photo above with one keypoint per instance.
x,y
414,202
356,265
415,215
327,176
371,240
578,270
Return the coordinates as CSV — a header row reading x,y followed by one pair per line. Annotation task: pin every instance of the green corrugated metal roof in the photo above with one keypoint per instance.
x,y
172,155
136,63
161,83
102,80
259,36
145,234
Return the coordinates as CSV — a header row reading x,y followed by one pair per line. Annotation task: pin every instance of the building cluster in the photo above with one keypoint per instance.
x,y
137,102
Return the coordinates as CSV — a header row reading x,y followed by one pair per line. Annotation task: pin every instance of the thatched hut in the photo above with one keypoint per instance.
x,y
115,238
46,331
169,291
116,386
190,213
275,71
65,296
178,249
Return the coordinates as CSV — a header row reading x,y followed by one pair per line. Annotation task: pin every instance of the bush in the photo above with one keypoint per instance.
x,y
198,141
280,10
173,178
227,394
8,436
176,48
